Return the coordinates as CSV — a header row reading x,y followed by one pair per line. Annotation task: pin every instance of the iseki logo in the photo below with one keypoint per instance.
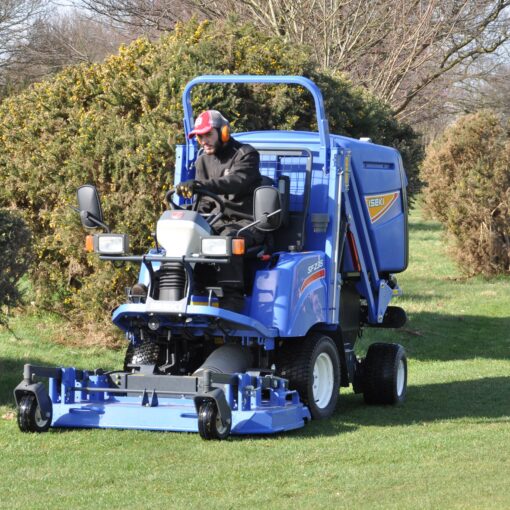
x,y
375,202
379,205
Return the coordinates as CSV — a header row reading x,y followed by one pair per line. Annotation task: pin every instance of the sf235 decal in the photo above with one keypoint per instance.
x,y
378,205
317,275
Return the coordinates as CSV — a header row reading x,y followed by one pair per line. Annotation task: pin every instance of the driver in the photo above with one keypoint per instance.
x,y
229,168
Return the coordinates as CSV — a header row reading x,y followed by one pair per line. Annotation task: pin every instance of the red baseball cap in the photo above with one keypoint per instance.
x,y
206,121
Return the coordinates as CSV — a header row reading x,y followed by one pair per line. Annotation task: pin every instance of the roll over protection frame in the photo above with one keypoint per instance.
x,y
306,83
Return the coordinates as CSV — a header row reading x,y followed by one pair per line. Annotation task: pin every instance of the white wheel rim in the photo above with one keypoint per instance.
x,y
401,377
323,380
219,425
39,420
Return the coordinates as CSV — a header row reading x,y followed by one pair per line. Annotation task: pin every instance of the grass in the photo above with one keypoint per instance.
x,y
447,447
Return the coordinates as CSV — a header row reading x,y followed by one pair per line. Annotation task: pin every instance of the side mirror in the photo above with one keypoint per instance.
x,y
267,208
89,207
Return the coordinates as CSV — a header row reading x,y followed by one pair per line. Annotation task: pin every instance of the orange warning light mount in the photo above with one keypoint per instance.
x,y
89,243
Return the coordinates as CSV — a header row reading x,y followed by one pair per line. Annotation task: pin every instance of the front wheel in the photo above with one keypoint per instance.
x,y
29,415
385,374
145,353
313,369
210,425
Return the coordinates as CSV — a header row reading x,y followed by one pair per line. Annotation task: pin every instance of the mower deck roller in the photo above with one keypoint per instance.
x,y
334,213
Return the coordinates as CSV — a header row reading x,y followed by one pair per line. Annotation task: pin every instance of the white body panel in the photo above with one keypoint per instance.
x,y
179,237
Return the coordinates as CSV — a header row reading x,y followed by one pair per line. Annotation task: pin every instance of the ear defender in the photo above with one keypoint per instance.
x,y
225,133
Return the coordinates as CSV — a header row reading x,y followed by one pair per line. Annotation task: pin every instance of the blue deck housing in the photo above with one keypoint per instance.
x,y
76,404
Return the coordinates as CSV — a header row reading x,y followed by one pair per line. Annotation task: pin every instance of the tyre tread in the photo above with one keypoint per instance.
x,y
296,365
145,353
26,415
378,376
207,422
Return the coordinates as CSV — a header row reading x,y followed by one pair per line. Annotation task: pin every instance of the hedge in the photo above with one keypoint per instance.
x,y
467,172
16,255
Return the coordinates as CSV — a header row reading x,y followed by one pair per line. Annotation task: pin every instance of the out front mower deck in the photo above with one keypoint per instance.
x,y
215,405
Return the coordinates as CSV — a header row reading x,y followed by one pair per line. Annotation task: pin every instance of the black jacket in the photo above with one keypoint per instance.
x,y
232,172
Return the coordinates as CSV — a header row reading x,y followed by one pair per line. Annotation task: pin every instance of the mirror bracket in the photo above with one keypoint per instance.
x,y
87,217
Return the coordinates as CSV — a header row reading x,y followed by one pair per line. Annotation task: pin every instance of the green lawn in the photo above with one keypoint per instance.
x,y
447,447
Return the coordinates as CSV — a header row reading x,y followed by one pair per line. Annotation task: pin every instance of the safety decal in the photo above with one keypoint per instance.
x,y
378,205
204,301
318,275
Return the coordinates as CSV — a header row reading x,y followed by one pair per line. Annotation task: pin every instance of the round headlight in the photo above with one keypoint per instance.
x,y
153,324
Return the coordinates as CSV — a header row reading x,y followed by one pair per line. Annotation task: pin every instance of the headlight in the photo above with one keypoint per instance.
x,y
153,324
111,244
216,246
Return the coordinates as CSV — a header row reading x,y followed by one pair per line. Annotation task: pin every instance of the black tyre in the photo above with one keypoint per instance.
x,y
385,374
29,415
145,353
313,369
210,425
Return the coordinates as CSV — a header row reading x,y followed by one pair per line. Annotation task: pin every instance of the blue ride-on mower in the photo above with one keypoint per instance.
x,y
334,210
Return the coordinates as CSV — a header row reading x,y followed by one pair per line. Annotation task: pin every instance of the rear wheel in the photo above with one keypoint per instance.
x,y
30,418
210,425
385,374
313,369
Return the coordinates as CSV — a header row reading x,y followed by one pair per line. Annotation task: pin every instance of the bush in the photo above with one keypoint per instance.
x,y
115,124
15,259
467,172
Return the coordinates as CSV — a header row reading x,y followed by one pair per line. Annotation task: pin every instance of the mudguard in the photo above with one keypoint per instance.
x,y
292,296
41,395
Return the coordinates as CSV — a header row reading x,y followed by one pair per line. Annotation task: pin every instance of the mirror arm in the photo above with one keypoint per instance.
x,y
264,218
217,216
95,220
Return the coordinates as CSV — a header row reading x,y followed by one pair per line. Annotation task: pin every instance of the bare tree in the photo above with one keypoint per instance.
x,y
407,52
484,91
443,45
54,40
16,17
148,17
71,38
396,48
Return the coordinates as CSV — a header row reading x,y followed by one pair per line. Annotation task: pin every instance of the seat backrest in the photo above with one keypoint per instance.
x,y
289,169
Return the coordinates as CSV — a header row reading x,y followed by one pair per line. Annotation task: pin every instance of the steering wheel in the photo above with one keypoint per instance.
x,y
197,197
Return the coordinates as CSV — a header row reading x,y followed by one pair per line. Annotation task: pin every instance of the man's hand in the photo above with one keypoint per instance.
x,y
186,189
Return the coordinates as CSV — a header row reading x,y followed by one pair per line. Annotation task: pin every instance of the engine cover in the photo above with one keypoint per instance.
x,y
179,232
